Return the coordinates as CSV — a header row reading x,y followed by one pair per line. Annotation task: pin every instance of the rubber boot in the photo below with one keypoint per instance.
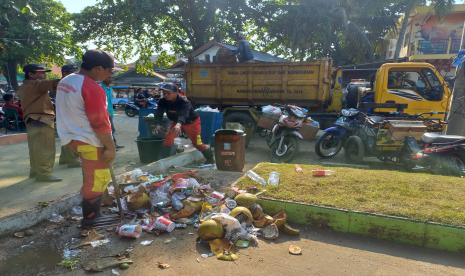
x,y
90,212
208,154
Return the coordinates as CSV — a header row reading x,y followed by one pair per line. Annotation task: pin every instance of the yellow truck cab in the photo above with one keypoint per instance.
x,y
417,85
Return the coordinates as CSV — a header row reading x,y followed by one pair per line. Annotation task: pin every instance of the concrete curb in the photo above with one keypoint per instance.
x,y
31,217
11,139
398,229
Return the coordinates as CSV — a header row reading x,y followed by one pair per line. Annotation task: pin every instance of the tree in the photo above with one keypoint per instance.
x,y
142,27
440,7
346,30
33,31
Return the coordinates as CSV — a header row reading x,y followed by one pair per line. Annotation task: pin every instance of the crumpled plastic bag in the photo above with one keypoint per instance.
x,y
233,228
176,200
160,195
272,110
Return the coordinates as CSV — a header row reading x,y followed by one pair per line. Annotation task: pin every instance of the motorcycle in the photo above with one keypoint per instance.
x,y
437,153
284,136
384,138
331,142
132,108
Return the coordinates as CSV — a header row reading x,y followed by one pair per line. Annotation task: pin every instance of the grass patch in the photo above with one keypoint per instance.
x,y
418,196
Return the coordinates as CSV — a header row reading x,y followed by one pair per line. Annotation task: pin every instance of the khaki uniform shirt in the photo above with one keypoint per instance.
x,y
35,100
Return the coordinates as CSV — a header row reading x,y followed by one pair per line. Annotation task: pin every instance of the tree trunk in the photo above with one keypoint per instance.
x,y
456,116
403,28
10,70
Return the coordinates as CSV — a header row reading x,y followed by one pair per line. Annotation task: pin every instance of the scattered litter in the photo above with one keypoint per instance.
x,y
169,240
242,244
164,224
295,250
322,172
151,115
70,253
130,231
19,235
76,211
99,242
273,179
163,265
146,242
255,177
55,218
114,272
207,255
298,169
27,245
190,233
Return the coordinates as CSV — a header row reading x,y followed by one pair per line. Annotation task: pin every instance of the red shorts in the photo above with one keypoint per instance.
x,y
192,130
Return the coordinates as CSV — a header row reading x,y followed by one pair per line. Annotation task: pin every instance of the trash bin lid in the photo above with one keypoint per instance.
x,y
229,132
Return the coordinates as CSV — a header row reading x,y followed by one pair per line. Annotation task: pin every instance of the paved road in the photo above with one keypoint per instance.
x,y
18,193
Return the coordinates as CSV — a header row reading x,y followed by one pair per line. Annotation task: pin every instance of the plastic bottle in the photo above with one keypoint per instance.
x,y
255,177
322,172
273,179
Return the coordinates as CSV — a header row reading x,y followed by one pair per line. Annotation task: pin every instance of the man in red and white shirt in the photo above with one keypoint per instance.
x,y
83,126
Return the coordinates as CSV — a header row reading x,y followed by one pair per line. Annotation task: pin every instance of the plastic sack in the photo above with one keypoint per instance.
x,y
270,109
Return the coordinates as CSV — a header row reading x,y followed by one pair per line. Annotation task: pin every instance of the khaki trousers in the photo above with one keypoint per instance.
x,y
41,142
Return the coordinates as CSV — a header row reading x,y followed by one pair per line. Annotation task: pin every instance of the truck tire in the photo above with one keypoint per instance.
x,y
245,120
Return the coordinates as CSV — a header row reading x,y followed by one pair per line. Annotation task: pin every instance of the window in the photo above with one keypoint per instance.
x,y
414,83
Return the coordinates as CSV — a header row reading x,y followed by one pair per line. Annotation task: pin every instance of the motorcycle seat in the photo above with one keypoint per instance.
x,y
376,119
431,138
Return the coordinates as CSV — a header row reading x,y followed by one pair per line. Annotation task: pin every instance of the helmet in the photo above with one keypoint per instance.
x,y
210,230
168,86
242,211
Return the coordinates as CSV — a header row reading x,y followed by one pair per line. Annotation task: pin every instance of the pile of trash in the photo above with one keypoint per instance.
x,y
227,221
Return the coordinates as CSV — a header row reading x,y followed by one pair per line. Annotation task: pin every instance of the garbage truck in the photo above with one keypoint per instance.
x,y
240,90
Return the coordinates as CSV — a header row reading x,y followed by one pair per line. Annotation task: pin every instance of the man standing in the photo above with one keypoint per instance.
x,y
111,112
39,117
83,125
67,156
180,111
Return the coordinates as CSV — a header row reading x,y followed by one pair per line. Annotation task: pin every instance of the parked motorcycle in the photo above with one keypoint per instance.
x,y
331,142
132,108
384,138
437,153
284,137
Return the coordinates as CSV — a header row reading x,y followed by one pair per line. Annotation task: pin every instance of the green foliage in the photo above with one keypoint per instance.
x,y
70,264
35,31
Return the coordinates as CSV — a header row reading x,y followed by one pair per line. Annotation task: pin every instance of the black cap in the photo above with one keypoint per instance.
x,y
32,68
94,58
69,68
168,86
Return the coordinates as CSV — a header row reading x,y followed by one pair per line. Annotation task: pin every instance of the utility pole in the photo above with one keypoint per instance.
x,y
456,116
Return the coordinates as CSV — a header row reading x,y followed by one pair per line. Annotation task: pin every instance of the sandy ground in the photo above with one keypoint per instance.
x,y
324,252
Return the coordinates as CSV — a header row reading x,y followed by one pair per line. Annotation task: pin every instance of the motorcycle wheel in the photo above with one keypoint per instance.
x,y
289,148
328,145
130,112
354,149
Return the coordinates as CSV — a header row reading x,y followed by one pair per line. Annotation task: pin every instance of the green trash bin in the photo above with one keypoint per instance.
x,y
149,149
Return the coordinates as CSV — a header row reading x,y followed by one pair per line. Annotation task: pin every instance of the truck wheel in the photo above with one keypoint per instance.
x,y
354,149
245,120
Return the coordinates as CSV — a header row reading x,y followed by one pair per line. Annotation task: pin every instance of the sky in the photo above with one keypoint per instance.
x,y
74,6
